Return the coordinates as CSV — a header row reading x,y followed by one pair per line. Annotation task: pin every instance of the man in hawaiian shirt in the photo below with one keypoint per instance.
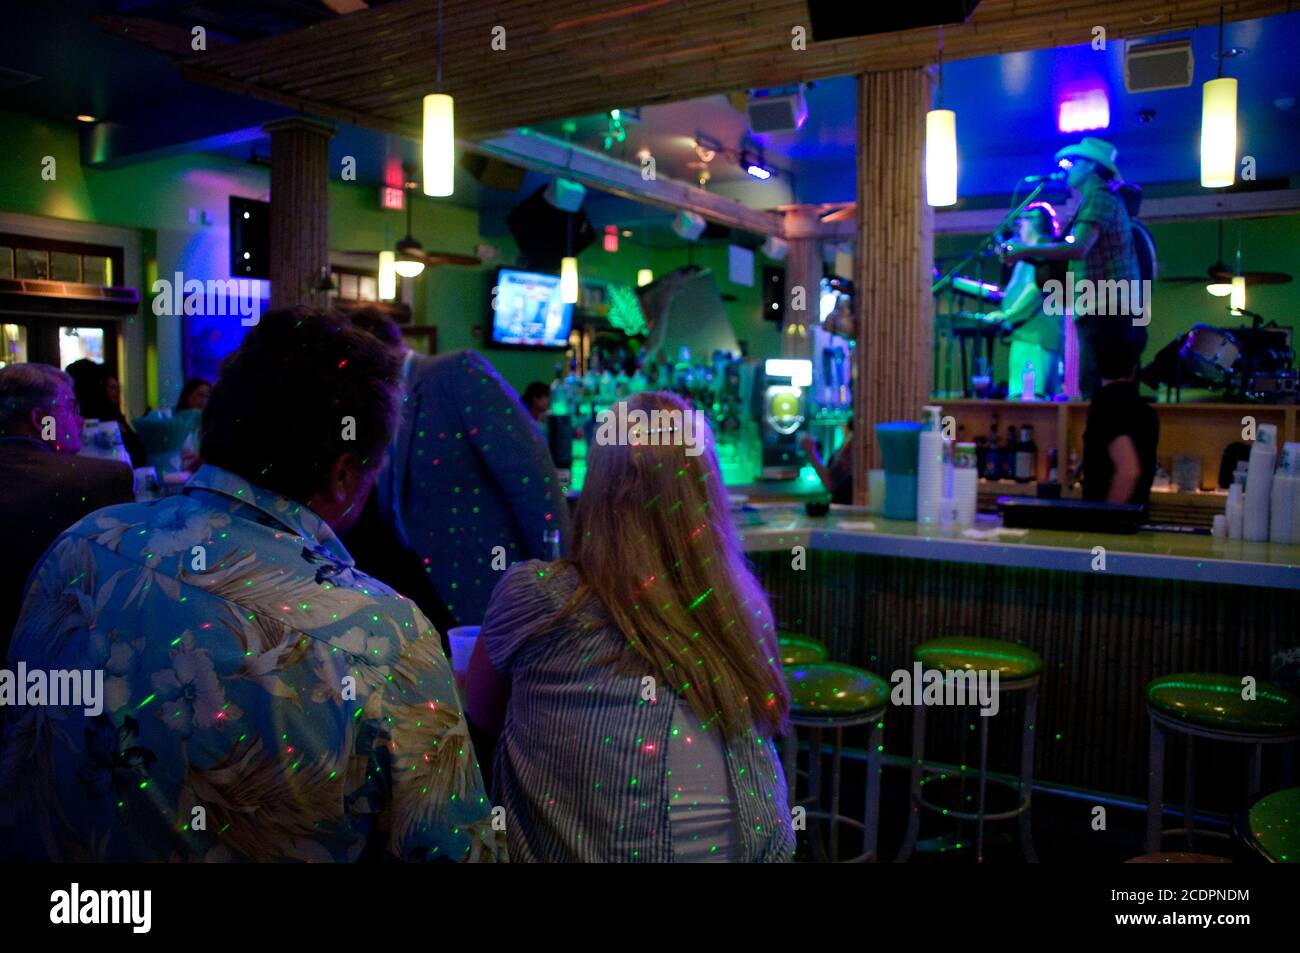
x,y
261,699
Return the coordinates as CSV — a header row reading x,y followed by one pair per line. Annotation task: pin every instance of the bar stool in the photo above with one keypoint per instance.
x,y
799,649
1272,826
1177,857
1018,670
826,696
1202,705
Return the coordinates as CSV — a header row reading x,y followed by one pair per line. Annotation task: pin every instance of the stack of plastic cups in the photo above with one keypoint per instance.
x,y
929,469
1235,508
1283,518
1259,484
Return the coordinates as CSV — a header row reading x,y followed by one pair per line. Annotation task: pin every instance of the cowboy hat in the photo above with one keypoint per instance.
x,y
1094,150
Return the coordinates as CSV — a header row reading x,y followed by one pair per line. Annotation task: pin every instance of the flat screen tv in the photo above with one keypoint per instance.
x,y
527,310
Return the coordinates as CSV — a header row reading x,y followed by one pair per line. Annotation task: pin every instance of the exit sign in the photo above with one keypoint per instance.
x,y
390,197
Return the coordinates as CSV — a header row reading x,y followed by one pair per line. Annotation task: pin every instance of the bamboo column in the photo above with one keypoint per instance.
x,y
894,258
299,210
803,273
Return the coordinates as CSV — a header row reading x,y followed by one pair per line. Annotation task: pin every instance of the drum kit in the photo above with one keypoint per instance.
x,y
1249,363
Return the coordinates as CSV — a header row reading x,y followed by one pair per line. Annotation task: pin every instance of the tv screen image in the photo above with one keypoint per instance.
x,y
528,310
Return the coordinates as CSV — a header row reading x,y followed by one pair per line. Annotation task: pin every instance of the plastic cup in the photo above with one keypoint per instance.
x,y
461,640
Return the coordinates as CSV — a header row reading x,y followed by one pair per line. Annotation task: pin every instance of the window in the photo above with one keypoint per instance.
x,y
26,256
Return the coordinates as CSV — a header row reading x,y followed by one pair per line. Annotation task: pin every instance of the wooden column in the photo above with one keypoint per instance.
x,y
895,254
803,272
299,210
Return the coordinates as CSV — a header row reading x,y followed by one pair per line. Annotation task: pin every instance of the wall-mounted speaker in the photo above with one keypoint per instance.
x,y
773,292
689,226
785,113
493,172
542,231
1154,66
250,238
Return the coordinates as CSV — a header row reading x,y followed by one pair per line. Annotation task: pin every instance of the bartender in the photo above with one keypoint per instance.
x,y
1119,441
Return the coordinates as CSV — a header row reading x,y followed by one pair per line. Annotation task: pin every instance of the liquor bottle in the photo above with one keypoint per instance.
x,y
992,469
981,454
1052,474
1009,455
1026,456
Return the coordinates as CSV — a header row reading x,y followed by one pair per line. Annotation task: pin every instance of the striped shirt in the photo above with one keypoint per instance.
x,y
589,759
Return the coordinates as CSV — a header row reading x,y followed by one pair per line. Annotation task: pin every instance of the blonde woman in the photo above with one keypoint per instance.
x,y
637,687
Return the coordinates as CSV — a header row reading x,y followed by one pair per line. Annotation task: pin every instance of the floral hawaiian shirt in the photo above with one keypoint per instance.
x,y
261,699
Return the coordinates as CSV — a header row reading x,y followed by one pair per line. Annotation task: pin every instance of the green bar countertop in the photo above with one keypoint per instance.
x,y
1149,554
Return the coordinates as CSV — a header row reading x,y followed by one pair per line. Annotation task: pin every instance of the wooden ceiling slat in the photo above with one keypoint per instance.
x,y
576,57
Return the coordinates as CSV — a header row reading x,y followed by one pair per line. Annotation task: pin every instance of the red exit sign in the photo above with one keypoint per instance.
x,y
390,197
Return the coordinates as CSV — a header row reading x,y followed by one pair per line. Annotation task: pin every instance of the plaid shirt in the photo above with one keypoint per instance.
x,y
1111,256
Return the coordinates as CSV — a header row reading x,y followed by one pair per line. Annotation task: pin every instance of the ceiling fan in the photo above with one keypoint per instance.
x,y
1218,277
411,257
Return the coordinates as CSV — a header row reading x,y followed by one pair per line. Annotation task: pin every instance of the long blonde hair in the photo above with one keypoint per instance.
x,y
655,544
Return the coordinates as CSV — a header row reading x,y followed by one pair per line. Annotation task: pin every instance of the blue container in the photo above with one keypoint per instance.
x,y
900,444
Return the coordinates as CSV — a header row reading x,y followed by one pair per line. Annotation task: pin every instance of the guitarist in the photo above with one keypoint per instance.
x,y
1100,238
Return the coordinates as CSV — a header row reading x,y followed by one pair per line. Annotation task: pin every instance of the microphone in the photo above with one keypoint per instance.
x,y
1054,177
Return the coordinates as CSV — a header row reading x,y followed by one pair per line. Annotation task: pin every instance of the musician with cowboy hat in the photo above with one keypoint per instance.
x,y
1100,237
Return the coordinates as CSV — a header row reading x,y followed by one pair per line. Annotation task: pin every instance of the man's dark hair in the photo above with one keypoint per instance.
x,y
376,322
535,390
277,413
1117,354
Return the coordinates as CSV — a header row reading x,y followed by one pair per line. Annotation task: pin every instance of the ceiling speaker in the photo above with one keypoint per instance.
x,y
493,172
1153,66
785,113
688,225
565,194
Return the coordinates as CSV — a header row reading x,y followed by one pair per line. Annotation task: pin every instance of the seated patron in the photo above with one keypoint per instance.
x,y
637,687
261,699
1119,442
44,486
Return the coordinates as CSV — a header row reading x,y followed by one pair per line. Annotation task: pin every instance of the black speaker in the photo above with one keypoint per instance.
x,y
543,234
773,292
250,238
494,173
836,20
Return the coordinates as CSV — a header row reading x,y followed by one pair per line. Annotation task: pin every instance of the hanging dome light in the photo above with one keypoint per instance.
x,y
410,258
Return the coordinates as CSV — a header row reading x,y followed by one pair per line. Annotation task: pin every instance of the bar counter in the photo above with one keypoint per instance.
x,y
1165,603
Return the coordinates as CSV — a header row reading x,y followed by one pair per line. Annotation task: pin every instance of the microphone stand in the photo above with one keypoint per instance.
x,y
945,282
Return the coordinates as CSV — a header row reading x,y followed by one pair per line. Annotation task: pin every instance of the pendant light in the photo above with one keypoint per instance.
x,y
387,276
941,148
569,267
439,144
1219,126
409,259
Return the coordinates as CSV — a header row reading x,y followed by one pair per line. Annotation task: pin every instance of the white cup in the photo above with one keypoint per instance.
x,y
462,639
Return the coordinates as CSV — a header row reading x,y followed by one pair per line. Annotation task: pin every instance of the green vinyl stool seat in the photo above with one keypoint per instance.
x,y
1011,661
1018,669
1215,701
1211,705
799,649
1272,826
1177,857
828,696
829,690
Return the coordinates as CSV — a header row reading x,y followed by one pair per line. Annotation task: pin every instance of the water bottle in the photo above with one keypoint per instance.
x,y
551,545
